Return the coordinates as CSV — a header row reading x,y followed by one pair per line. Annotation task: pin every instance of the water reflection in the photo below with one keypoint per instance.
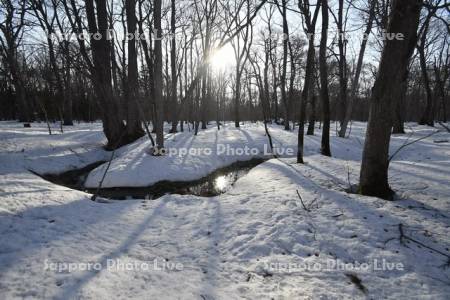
x,y
221,183
215,184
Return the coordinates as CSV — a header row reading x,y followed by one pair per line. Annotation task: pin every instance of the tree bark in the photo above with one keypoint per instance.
x,y
237,98
399,114
343,80
325,145
274,79
284,97
441,79
312,116
309,71
113,126
173,69
159,122
134,126
404,19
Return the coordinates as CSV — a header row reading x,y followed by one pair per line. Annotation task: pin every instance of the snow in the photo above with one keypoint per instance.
x,y
208,151
254,241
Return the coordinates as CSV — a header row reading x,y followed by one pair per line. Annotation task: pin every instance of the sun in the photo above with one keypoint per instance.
x,y
223,58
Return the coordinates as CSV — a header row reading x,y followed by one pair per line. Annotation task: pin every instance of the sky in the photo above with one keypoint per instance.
x,y
224,59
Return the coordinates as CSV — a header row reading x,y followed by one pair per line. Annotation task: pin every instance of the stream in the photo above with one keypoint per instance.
x,y
216,183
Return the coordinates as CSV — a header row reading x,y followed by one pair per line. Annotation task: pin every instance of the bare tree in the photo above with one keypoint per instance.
x,y
341,24
284,97
158,76
309,20
441,69
324,95
359,64
173,67
404,19
241,46
428,115
12,26
47,22
133,127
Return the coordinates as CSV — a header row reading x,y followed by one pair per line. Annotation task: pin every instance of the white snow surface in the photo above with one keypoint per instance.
x,y
134,167
253,242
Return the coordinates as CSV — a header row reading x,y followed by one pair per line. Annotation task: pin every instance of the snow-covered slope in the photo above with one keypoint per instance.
x,y
192,157
255,241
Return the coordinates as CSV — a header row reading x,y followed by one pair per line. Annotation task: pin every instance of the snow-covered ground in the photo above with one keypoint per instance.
x,y
255,241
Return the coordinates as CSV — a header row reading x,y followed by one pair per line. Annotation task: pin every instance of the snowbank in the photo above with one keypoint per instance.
x,y
192,157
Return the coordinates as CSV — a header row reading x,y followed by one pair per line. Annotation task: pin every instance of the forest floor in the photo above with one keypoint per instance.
x,y
284,231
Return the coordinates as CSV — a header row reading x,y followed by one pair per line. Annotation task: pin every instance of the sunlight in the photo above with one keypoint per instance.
x,y
223,58
221,182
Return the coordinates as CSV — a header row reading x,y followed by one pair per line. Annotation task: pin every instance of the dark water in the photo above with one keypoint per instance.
x,y
214,184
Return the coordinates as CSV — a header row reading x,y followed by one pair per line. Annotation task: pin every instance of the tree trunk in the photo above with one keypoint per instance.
x,y
134,126
404,19
309,73
113,126
159,122
284,96
204,98
68,119
399,127
428,116
440,88
325,145
343,80
237,98
173,69
265,85
275,84
312,116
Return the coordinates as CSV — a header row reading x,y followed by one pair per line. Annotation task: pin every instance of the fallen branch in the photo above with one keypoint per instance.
x,y
406,144
312,202
94,196
301,200
74,152
403,237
